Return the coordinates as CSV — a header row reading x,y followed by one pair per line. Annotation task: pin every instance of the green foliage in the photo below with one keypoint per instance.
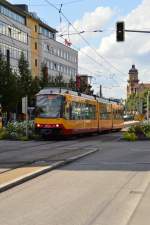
x,y
72,84
147,134
138,130
23,138
3,134
129,136
8,86
27,85
17,130
50,81
137,102
44,76
141,131
25,78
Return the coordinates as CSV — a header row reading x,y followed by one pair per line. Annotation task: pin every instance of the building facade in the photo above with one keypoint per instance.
x,y
59,59
13,34
23,31
134,86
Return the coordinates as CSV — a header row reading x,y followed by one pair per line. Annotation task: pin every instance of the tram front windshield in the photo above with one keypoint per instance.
x,y
49,106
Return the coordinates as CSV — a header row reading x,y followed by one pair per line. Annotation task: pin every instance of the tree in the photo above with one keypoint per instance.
x,y
8,86
51,81
72,84
137,102
44,76
25,78
35,88
131,103
59,81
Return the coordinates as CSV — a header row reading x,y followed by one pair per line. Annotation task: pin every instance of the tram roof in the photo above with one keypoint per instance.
x,y
48,91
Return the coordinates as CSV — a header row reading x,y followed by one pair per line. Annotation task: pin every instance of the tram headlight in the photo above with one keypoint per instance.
x,y
57,125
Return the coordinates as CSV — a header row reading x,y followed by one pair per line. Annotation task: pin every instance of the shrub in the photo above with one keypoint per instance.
x,y
131,129
147,134
17,130
3,134
23,138
142,131
139,131
129,136
146,128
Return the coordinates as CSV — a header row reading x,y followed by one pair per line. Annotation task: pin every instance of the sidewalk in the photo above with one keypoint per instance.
x,y
141,215
14,177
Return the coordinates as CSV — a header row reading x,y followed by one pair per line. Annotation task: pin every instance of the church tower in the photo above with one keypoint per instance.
x,y
133,81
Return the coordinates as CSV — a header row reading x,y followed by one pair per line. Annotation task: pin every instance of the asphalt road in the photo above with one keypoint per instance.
x,y
16,153
107,187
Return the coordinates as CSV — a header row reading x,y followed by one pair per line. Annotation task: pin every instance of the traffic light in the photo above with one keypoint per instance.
x,y
120,30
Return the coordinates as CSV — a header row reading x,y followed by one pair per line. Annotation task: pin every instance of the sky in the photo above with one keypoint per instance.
x,y
100,56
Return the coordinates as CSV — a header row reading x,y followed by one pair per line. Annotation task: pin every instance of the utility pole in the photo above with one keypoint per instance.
x,y
100,91
148,106
25,111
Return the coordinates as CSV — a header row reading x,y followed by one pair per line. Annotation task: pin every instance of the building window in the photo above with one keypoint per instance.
x,y
47,33
13,32
12,15
9,31
15,53
36,45
36,62
55,66
48,47
35,28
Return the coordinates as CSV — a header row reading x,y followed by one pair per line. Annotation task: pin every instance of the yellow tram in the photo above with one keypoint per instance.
x,y
65,112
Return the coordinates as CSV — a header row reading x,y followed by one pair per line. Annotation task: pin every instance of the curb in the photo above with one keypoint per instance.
x,y
30,176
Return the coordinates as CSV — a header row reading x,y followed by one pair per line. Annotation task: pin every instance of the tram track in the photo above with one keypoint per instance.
x,y
21,149
52,158
29,154
34,146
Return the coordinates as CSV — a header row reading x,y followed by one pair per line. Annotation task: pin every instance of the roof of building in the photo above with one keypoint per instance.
x,y
12,7
24,12
133,70
145,85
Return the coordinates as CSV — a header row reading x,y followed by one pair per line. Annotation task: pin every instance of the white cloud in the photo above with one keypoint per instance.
x,y
94,20
135,50
89,22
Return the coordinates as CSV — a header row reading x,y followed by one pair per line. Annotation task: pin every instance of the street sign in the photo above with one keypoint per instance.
x,y
24,105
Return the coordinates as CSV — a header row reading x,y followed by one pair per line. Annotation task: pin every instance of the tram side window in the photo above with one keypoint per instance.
x,y
115,114
83,111
89,112
76,111
120,114
92,109
104,114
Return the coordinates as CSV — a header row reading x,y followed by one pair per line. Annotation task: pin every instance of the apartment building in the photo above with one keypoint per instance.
x,y
14,34
22,30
